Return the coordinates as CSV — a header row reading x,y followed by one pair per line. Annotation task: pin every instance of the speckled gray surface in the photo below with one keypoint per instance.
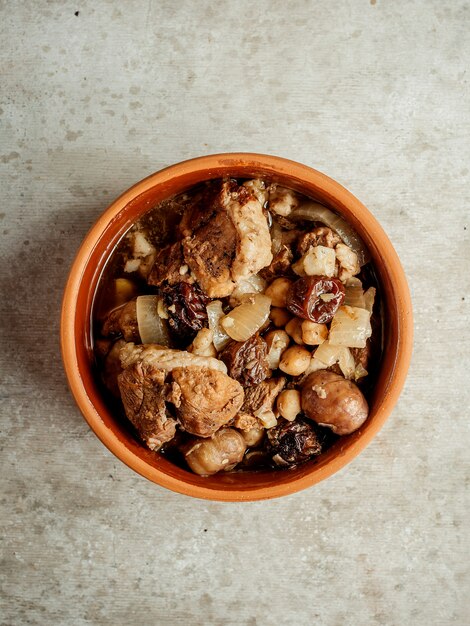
x,y
96,95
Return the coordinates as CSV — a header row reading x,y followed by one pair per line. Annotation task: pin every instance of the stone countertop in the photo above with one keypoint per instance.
x,y
97,95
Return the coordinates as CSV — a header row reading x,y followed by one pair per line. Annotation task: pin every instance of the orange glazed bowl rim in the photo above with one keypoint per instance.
x,y
76,340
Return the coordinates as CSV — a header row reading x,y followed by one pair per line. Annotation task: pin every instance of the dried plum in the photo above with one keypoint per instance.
x,y
305,298
293,442
186,304
247,361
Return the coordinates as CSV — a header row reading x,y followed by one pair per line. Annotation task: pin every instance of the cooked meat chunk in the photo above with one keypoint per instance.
x,y
247,361
321,236
201,209
112,367
260,400
280,265
144,393
232,245
253,237
210,252
122,321
166,359
209,399
169,266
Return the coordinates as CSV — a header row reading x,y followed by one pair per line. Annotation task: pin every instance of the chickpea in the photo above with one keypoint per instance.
x,y
314,334
294,329
295,361
221,452
253,437
288,404
277,341
279,317
278,291
331,400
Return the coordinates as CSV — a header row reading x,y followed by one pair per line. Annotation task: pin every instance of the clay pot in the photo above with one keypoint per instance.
x,y
81,286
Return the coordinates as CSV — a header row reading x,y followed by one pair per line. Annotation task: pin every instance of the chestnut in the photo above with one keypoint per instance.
x,y
222,451
332,401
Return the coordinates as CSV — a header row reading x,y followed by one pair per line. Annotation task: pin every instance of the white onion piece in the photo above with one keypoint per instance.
x,y
369,298
328,355
354,296
276,238
315,212
244,320
346,363
350,327
152,329
251,285
214,314
360,372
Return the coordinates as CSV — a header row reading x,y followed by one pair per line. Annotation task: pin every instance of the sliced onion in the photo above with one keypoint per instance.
x,y
215,314
329,354
350,327
315,212
152,329
277,341
245,320
354,295
251,285
369,298
276,238
360,372
346,363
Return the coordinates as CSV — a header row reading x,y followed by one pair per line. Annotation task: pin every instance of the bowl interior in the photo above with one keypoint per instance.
x,y
120,439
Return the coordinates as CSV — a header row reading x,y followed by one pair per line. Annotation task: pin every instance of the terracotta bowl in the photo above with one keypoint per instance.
x,y
76,340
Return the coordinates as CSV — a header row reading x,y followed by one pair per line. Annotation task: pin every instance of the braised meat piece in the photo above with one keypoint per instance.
x,y
166,359
209,399
232,245
247,361
112,367
169,266
210,252
321,236
259,400
122,321
144,394
280,265
253,237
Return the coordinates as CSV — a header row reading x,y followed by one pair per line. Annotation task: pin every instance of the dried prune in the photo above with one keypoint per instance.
x,y
306,298
186,304
293,442
247,361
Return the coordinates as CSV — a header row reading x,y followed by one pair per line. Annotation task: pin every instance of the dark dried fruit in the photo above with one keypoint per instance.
x,y
247,361
293,442
305,298
186,306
